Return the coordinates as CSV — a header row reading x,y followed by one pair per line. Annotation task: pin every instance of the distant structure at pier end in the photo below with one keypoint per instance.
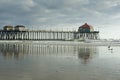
x,y
86,31
19,28
19,32
12,28
8,28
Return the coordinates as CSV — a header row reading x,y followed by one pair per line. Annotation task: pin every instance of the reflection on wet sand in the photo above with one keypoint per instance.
x,y
18,51
87,53
33,61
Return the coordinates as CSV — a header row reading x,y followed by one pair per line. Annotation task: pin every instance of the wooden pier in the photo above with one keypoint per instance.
x,y
20,33
46,35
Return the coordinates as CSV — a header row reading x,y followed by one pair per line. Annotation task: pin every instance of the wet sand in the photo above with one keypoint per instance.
x,y
33,61
99,43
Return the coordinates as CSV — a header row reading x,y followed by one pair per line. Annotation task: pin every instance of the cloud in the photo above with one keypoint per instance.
x,y
55,13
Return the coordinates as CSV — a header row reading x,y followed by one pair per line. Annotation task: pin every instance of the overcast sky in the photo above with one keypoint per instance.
x,y
104,15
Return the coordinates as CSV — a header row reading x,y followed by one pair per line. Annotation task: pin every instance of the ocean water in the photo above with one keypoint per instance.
x,y
31,61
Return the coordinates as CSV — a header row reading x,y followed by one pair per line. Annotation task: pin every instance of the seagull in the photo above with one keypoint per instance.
x,y
108,46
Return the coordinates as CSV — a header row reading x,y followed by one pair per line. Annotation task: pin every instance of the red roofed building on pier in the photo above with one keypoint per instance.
x,y
86,31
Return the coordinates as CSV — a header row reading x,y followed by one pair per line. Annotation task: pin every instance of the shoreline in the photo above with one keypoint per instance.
x,y
74,43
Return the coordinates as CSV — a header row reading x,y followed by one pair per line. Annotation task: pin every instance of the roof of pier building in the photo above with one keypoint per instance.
x,y
18,26
86,28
